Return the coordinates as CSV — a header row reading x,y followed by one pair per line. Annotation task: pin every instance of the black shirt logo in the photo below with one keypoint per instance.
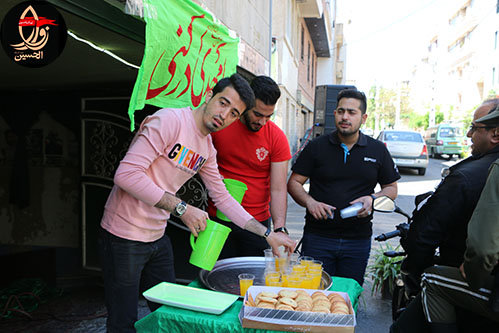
x,y
33,34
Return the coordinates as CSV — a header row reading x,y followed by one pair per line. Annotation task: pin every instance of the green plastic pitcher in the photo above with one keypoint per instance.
x,y
236,189
208,245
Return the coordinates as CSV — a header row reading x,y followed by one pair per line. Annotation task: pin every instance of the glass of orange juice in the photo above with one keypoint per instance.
x,y
317,276
306,281
299,269
275,281
245,281
285,276
306,261
294,281
317,264
271,274
281,263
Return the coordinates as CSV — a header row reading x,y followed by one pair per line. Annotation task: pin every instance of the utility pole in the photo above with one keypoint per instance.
x,y
376,111
431,120
397,107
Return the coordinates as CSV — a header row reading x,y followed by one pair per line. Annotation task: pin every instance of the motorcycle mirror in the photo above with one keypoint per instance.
x,y
384,204
444,172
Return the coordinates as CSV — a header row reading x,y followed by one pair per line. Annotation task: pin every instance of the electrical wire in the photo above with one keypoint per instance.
x,y
109,53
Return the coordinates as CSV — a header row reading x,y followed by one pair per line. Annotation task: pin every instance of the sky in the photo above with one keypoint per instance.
x,y
386,38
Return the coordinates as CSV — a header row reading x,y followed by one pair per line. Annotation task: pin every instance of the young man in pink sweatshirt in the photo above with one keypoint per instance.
x,y
170,147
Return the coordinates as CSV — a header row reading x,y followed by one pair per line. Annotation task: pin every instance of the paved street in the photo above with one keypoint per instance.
x,y
374,312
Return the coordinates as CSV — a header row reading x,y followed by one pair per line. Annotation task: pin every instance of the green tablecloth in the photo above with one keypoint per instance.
x,y
171,319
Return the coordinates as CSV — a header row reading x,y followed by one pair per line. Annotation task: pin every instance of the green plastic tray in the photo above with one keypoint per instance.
x,y
190,298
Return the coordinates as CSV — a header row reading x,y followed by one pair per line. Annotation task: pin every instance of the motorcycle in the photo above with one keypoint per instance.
x,y
407,286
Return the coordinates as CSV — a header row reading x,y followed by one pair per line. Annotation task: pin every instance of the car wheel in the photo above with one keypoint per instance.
x,y
421,171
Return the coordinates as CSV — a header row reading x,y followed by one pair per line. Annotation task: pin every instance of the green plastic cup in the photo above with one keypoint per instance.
x,y
208,245
237,189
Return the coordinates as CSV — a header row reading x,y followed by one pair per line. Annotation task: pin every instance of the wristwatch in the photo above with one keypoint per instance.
x,y
282,229
179,209
267,233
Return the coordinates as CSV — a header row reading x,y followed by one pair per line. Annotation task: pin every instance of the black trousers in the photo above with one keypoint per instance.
x,y
242,243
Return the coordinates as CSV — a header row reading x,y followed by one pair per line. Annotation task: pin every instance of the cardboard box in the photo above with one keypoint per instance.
x,y
295,321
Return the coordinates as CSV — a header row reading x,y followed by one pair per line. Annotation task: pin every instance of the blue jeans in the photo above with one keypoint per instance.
x,y
340,257
129,268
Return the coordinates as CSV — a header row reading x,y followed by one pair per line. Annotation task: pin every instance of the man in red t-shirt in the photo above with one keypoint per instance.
x,y
255,151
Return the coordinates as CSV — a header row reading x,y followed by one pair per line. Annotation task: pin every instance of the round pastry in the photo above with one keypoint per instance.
x,y
318,293
267,294
288,293
304,300
284,307
337,301
265,299
319,296
323,299
301,292
322,302
265,305
335,296
303,308
288,301
304,297
320,308
340,308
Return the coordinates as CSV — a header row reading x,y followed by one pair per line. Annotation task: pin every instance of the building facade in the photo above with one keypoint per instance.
x,y
460,68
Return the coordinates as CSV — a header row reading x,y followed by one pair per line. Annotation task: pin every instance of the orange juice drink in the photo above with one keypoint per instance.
x,y
285,276
285,280
316,264
294,281
275,281
280,263
270,275
299,268
317,276
306,281
306,261
245,281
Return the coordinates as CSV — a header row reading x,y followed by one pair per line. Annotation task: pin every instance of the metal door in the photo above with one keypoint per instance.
x,y
105,131
105,139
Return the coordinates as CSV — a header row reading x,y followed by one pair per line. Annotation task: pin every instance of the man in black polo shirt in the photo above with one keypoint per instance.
x,y
344,167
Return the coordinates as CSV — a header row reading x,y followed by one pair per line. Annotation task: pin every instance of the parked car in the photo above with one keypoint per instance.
x,y
445,139
407,148
368,131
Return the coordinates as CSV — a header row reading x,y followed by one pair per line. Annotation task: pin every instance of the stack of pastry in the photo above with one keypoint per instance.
x,y
300,300
338,304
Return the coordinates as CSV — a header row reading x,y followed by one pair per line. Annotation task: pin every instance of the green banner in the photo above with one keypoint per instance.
x,y
187,51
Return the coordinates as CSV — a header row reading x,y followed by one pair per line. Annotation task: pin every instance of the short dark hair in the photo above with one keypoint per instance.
x,y
240,85
265,89
354,93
